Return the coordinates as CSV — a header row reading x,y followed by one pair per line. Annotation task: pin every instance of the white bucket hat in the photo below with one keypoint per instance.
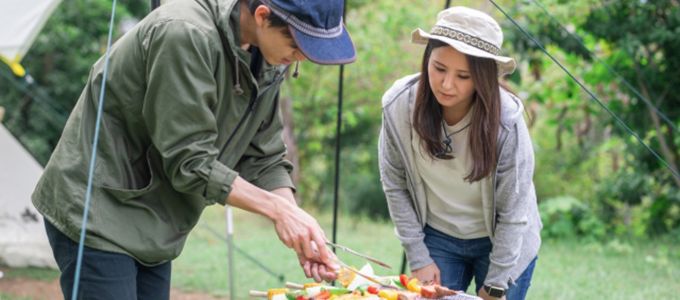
x,y
471,32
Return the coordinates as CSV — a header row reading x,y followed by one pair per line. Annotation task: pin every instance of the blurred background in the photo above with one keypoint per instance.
x,y
611,209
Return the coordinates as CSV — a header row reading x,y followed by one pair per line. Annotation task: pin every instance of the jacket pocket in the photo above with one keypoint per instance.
x,y
144,182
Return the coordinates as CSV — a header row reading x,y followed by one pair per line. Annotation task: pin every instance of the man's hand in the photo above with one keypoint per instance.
x,y
298,230
295,228
484,295
428,274
313,268
318,271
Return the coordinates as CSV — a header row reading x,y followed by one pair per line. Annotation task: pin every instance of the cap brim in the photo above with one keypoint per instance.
x,y
326,51
506,65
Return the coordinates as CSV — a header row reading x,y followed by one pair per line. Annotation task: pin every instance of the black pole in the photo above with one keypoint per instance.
x,y
155,4
448,3
336,185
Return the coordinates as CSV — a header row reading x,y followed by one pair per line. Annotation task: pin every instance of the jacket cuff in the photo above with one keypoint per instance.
x,y
275,178
498,277
417,254
220,183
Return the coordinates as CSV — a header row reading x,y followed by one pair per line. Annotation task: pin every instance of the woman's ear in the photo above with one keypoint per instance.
x,y
261,14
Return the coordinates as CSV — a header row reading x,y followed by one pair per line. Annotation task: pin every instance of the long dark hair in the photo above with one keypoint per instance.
x,y
485,121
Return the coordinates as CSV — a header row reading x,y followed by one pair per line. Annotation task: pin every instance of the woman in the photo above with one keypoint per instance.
x,y
456,162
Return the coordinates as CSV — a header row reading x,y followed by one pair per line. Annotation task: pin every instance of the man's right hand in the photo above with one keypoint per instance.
x,y
318,271
428,274
295,228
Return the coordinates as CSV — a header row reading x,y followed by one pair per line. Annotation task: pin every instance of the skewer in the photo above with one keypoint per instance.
x,y
364,256
257,294
295,286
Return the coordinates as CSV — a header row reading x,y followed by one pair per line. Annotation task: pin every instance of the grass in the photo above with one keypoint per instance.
x,y
4,296
203,264
31,273
566,269
616,270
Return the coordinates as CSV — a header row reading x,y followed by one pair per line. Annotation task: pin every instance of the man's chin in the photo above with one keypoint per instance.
x,y
275,62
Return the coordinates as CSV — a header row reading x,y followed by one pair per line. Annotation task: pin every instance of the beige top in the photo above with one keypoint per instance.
x,y
454,206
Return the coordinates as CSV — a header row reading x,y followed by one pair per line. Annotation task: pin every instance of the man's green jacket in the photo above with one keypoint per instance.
x,y
175,133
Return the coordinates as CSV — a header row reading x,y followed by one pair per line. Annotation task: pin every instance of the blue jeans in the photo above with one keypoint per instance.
x,y
460,260
107,275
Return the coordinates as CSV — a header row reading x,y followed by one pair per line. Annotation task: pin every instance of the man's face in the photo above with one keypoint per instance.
x,y
277,46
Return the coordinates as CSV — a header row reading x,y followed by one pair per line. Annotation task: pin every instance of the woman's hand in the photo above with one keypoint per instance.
x,y
428,274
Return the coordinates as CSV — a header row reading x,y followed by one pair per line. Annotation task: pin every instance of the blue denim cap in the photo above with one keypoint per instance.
x,y
317,28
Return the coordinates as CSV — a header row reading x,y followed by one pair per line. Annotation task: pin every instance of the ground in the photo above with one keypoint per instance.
x,y
39,289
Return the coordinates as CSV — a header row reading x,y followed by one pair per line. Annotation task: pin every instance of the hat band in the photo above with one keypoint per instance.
x,y
466,38
304,27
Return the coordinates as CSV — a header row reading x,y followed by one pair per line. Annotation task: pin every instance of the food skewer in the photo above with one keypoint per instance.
x,y
364,256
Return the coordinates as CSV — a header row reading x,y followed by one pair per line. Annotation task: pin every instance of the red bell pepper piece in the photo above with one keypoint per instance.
x,y
372,290
403,279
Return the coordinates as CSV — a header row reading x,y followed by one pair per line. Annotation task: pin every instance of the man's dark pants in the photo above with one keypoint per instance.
x,y
107,275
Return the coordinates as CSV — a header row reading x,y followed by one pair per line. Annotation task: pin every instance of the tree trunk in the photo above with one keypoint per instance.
x,y
666,152
560,128
286,105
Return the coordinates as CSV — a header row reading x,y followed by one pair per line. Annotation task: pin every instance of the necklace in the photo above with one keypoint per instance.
x,y
448,148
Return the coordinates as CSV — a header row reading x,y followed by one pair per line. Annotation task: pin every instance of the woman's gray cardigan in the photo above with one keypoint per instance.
x,y
511,213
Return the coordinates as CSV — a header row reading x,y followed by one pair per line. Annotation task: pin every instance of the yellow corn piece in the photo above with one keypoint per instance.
x,y
388,294
272,292
345,276
310,284
413,285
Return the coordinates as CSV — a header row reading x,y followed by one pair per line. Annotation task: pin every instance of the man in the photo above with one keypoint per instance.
x,y
190,119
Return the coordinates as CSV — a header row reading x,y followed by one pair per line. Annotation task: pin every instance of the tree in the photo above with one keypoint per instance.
x,y
646,35
60,59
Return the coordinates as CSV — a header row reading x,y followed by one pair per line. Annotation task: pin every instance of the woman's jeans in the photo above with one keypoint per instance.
x,y
107,275
459,260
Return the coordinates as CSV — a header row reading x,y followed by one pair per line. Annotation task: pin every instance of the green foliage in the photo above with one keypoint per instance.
x,y
59,61
639,206
580,151
567,217
383,56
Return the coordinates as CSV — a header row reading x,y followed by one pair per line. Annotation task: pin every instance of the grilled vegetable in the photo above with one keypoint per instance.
x,y
403,279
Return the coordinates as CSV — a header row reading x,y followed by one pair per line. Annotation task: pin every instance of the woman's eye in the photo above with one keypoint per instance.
x,y
463,77
439,69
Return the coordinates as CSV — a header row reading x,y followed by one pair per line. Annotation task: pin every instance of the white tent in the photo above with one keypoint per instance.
x,y
23,241
22,235
20,22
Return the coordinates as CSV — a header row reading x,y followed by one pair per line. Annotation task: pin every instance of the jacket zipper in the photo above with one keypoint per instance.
x,y
249,110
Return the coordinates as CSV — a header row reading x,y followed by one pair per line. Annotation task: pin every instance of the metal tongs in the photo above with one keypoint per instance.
x,y
364,256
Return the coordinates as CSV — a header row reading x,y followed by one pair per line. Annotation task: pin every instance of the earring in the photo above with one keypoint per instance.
x,y
296,73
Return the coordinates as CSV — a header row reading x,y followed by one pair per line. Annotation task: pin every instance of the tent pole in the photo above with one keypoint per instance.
x,y
230,250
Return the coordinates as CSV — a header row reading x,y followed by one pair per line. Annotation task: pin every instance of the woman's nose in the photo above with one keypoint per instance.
x,y
448,82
